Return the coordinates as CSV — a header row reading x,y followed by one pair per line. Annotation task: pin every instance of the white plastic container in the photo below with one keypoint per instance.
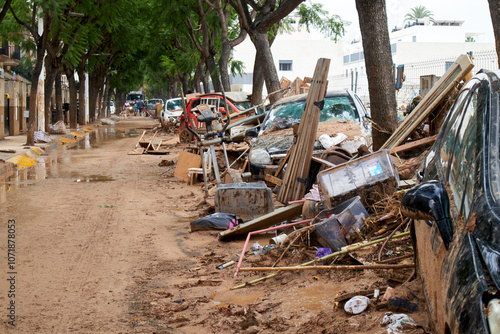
x,y
356,177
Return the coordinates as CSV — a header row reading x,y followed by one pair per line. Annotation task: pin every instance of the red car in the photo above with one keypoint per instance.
x,y
213,99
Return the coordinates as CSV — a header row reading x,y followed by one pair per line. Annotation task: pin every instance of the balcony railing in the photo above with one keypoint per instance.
x,y
10,50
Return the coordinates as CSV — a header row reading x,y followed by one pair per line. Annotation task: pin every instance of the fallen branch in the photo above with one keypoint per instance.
x,y
339,267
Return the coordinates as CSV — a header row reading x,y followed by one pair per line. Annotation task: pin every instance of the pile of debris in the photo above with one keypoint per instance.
x,y
348,218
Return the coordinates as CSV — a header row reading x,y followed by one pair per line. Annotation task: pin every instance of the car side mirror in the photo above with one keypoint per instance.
x,y
430,201
253,133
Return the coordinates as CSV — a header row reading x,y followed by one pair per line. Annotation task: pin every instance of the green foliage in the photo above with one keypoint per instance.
x,y
470,39
25,68
313,15
419,12
236,67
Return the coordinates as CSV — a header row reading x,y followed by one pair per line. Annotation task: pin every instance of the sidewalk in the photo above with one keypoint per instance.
x,y
14,152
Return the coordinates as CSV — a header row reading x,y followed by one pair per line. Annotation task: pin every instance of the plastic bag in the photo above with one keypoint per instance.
x,y
41,137
216,221
58,128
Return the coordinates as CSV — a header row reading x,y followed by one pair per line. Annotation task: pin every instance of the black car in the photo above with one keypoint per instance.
x,y
457,205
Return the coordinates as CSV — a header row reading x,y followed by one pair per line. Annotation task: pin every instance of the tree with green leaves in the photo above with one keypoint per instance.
x,y
419,12
27,16
262,20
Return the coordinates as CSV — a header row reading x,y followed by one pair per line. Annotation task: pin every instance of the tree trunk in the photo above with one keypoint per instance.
x,y
197,77
50,76
81,95
495,20
258,83
223,66
73,121
379,69
93,94
59,103
185,83
204,80
105,100
30,137
212,70
264,61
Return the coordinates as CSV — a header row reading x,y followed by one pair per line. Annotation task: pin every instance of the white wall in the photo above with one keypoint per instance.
x,y
301,48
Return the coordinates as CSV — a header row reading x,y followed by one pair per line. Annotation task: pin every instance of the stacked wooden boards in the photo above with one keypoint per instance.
x,y
457,72
293,186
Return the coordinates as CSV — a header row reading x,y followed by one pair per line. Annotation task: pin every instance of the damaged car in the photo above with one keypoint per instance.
x,y
343,127
456,212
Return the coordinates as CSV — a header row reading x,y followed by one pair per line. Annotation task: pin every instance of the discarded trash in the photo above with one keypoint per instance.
x,y
402,304
267,248
58,128
328,141
360,176
313,194
322,251
256,246
41,137
357,304
332,232
178,301
216,221
397,322
247,200
107,206
493,312
279,239
389,292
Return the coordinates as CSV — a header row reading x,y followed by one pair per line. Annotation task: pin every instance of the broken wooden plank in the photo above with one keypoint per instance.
x,y
273,179
299,163
267,220
456,73
413,144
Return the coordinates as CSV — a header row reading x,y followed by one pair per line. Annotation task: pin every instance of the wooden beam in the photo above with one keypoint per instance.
x,y
273,179
340,267
413,144
456,73
299,163
265,221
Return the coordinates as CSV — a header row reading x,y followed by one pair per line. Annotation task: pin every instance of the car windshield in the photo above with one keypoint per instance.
x,y
336,108
174,104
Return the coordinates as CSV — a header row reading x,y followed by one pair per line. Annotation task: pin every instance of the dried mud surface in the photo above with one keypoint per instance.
x,y
114,255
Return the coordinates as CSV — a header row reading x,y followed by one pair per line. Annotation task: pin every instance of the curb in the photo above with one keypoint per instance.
x,y
30,157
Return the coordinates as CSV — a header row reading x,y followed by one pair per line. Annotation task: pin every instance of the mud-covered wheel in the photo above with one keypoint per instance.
x,y
186,137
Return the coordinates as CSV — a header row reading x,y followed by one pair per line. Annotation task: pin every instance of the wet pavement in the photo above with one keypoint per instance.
x,y
25,165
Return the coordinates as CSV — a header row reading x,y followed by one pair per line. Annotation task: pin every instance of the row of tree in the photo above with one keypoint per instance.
x,y
162,44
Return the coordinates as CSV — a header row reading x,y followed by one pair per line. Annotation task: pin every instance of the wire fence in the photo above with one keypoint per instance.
x,y
430,70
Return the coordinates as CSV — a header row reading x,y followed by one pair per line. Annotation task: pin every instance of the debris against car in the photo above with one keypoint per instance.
x,y
456,210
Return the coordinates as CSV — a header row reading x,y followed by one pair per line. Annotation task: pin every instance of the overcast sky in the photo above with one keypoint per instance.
x,y
475,14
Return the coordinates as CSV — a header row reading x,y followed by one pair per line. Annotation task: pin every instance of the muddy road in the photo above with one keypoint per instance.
x,y
102,245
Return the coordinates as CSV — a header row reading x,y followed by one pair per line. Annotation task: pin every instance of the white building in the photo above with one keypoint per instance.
x,y
423,47
295,55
